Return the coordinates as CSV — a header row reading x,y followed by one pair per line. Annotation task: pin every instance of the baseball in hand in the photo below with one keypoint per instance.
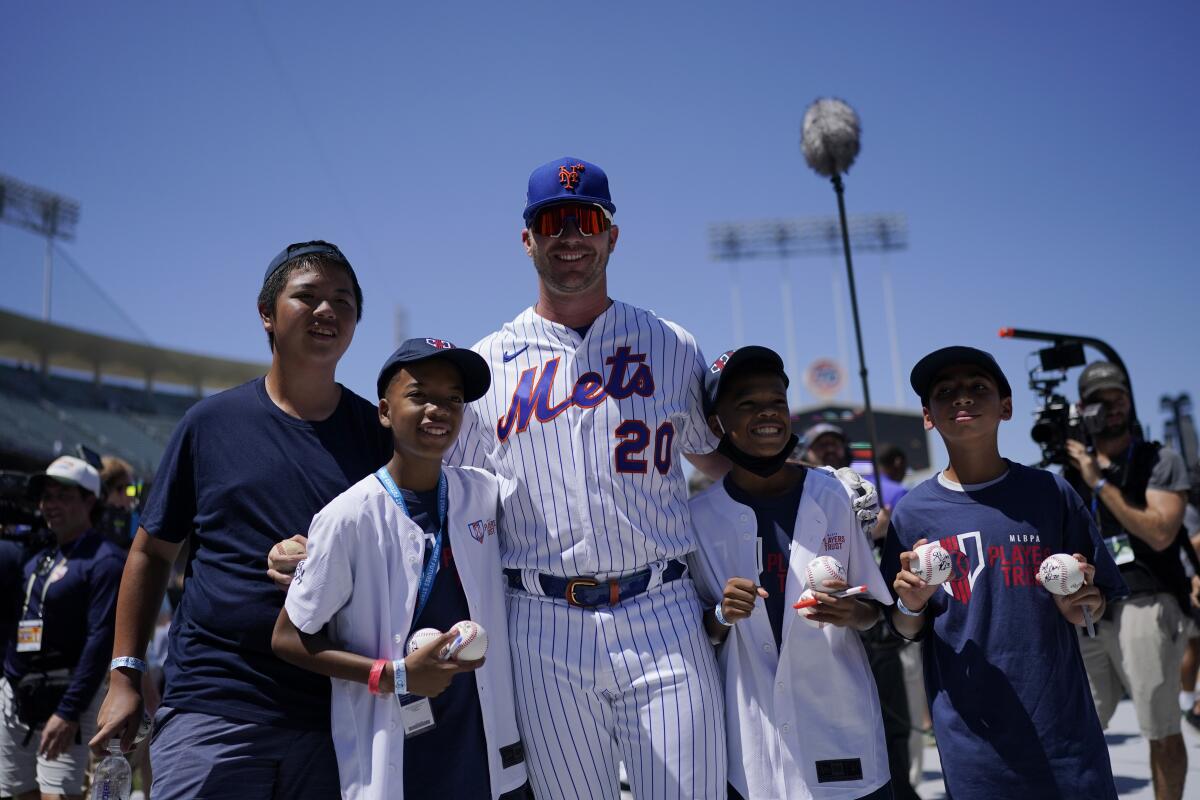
x,y
821,569
289,547
422,638
470,644
932,563
805,613
1060,574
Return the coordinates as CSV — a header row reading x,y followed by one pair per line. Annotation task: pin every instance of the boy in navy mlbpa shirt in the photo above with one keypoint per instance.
x,y
1007,688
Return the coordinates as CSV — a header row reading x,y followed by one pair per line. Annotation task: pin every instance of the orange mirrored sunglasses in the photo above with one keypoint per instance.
x,y
590,219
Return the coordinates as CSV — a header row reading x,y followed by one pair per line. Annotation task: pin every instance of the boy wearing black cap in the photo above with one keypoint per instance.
x,y
409,548
1006,684
242,466
756,532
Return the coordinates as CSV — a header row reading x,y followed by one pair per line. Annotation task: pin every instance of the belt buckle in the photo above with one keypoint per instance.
x,y
575,583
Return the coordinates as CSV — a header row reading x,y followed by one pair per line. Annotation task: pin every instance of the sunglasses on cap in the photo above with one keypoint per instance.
x,y
590,219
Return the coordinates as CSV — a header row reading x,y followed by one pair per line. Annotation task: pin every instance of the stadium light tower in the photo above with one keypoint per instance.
x,y
785,239
44,213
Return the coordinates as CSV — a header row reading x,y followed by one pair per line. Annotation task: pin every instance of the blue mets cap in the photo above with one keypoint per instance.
x,y
928,368
476,375
294,251
567,179
731,362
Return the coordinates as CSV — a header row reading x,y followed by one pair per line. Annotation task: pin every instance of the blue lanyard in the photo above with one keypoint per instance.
x,y
429,574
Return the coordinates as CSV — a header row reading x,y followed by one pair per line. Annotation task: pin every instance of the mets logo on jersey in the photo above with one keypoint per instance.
x,y
482,528
720,363
966,551
568,176
440,344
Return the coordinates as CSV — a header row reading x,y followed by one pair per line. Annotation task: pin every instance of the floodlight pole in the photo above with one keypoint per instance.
x,y
48,261
839,190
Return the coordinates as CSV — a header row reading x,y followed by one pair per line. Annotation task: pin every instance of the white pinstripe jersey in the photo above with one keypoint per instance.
x,y
586,435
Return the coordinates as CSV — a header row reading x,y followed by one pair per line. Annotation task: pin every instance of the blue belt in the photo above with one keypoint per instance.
x,y
590,592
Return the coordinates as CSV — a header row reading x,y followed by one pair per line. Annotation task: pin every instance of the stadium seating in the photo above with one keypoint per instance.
x,y
43,417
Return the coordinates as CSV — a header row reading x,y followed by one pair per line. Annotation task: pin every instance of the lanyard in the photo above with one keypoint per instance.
x,y
41,572
429,574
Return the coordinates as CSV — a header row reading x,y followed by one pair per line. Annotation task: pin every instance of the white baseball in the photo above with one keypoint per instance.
x,y
470,644
933,563
821,569
1060,574
422,638
805,613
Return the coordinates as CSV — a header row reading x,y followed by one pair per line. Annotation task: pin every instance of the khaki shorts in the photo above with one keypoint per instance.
x,y
23,770
1139,652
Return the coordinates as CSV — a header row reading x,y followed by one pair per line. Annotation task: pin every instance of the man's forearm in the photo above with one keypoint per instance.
x,y
143,584
1144,523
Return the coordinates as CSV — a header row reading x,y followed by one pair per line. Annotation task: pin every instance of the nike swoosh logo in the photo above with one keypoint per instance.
x,y
510,356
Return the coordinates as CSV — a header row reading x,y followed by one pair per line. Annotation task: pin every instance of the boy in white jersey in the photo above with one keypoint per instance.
x,y
802,711
421,727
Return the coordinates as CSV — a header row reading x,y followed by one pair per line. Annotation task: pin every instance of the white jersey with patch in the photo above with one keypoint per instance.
x,y
802,721
587,435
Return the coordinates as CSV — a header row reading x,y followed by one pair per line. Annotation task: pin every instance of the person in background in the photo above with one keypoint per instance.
x,y
55,666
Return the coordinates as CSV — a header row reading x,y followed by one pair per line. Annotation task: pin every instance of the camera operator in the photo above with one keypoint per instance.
x,y
1137,490
54,667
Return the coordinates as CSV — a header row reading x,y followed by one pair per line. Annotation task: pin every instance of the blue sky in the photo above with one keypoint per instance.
x,y
1044,155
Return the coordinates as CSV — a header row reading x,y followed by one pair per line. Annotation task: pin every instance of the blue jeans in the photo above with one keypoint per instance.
x,y
198,756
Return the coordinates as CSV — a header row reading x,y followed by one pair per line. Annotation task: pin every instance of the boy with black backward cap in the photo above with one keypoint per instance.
x,y
242,466
1007,688
756,531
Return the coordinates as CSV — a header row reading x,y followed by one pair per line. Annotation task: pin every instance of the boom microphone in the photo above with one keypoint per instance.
x,y
829,136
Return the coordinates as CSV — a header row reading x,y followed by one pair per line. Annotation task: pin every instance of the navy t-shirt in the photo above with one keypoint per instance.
x,y
1008,692
239,475
450,759
79,582
776,518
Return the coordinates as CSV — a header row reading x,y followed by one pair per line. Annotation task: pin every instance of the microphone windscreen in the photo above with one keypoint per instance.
x,y
829,137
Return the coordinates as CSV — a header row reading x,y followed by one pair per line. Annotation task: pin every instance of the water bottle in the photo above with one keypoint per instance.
x,y
113,779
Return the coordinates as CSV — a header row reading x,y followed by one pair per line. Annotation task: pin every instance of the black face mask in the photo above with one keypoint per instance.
x,y
762,466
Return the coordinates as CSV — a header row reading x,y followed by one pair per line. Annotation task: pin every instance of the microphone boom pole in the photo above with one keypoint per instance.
x,y
830,142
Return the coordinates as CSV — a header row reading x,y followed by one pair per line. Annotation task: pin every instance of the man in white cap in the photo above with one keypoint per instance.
x,y
55,666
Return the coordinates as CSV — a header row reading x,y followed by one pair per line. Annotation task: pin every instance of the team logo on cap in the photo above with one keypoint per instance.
x,y
440,344
720,363
568,176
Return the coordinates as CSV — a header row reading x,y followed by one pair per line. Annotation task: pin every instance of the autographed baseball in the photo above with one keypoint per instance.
x,y
1060,574
821,569
289,547
422,638
806,612
932,564
470,644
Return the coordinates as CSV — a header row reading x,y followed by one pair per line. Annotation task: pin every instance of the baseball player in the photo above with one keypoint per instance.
x,y
802,714
592,405
412,546
1008,693
242,465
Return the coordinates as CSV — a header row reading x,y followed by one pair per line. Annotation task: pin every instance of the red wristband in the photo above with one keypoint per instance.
x,y
376,671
